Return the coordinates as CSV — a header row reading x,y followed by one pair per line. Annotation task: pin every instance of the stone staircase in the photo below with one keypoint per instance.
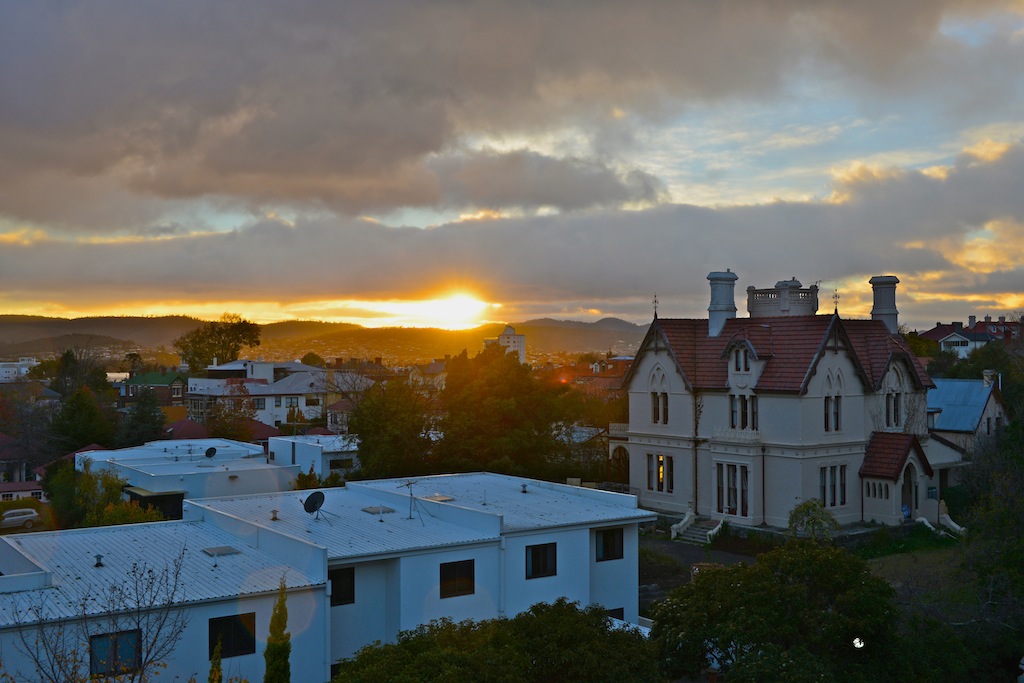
x,y
697,533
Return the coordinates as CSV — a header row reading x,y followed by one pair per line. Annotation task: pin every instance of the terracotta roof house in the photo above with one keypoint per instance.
x,y
740,419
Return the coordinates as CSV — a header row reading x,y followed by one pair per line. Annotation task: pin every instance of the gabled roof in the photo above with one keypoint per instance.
x,y
984,337
886,455
962,402
262,431
187,429
790,345
156,379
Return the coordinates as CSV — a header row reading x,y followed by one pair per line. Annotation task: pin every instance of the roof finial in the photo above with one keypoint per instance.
x,y
654,302
835,300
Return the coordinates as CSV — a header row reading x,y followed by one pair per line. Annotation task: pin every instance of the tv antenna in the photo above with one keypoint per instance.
x,y
312,505
412,499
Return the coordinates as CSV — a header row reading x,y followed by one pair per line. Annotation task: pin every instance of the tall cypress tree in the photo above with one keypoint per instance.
x,y
279,643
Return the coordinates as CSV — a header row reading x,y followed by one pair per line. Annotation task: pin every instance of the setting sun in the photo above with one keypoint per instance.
x,y
455,312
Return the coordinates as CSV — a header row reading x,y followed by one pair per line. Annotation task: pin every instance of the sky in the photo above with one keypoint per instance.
x,y
450,163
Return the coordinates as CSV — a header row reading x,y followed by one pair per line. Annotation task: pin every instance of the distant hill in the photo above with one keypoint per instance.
x,y
43,337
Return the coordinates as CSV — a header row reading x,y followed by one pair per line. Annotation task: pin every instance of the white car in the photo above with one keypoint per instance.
x,y
23,517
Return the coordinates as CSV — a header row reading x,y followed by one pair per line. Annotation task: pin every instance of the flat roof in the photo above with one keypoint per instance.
x,y
344,526
545,504
70,556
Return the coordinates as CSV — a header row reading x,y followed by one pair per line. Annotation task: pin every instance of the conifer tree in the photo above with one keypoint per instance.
x,y
279,646
216,674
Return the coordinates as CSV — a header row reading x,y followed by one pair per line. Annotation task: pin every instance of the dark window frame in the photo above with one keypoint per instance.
x,y
115,642
609,544
457,578
541,560
343,585
240,632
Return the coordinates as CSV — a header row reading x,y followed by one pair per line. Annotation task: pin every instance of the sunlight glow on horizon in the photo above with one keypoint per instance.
x,y
457,311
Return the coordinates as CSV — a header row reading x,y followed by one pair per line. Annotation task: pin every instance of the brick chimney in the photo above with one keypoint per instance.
x,y
723,300
884,301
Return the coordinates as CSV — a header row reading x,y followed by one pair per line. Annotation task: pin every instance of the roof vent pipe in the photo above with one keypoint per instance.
x,y
99,561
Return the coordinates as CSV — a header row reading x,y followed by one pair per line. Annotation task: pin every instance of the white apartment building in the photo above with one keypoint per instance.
x,y
512,343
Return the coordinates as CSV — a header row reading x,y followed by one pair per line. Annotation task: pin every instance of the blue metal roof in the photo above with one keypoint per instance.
x,y
962,402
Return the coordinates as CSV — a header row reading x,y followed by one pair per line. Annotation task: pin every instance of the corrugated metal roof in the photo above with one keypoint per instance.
x,y
962,402
70,556
544,504
343,528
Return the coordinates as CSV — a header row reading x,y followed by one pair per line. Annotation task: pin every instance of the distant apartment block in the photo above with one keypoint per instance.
x,y
513,343
16,370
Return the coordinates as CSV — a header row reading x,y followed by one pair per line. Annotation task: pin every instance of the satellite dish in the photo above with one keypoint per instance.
x,y
210,452
313,502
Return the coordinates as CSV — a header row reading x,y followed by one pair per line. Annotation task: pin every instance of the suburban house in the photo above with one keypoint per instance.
x,y
968,412
323,455
401,553
16,370
962,339
281,393
56,587
167,385
740,419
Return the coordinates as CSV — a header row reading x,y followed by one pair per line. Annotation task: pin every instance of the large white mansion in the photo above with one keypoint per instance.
x,y
743,418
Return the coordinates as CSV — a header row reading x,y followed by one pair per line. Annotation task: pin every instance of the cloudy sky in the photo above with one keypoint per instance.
x,y
368,161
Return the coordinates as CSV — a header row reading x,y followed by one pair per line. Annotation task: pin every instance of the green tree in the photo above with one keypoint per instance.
x,y
231,416
810,519
802,612
80,421
143,422
223,339
498,415
279,645
72,370
121,512
313,359
393,425
216,673
548,642
90,498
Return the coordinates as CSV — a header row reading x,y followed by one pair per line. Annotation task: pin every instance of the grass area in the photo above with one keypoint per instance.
x,y
749,542
887,541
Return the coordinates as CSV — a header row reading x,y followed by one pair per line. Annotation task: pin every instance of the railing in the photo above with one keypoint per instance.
x,y
618,428
741,435
717,530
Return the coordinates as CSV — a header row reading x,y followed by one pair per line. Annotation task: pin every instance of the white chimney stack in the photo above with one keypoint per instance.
x,y
884,302
723,301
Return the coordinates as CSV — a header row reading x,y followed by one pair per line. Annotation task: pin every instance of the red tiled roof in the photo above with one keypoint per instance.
x,y
345,405
18,486
262,431
319,431
887,454
791,345
187,429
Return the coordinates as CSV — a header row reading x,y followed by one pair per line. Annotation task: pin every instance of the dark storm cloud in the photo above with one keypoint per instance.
x,y
358,106
576,261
